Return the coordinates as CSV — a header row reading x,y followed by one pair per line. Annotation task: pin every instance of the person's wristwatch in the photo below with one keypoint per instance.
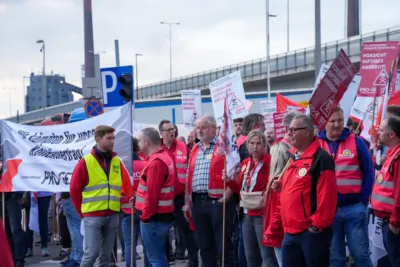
x,y
315,229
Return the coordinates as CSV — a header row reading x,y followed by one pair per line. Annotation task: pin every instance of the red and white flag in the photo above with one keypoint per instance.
x,y
226,143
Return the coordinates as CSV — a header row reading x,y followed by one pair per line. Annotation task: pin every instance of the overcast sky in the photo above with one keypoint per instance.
x,y
212,34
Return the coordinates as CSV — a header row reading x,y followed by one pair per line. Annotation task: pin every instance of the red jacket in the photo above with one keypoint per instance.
x,y
215,184
6,258
155,195
301,204
138,166
80,179
273,228
179,153
385,199
256,179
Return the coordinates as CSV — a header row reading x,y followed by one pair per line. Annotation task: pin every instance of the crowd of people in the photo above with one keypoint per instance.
x,y
299,201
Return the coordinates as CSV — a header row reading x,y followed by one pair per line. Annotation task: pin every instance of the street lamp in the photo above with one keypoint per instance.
x,y
137,75
268,15
44,85
170,47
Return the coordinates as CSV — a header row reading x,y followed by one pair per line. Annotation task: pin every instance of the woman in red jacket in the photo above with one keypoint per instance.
x,y
273,229
251,185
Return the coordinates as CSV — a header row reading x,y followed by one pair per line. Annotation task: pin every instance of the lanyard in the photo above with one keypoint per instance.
x,y
250,174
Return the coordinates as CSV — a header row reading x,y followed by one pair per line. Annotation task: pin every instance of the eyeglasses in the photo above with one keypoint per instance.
x,y
294,130
168,130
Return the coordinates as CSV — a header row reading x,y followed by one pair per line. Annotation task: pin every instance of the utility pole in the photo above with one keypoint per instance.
x,y
44,80
137,75
268,15
170,45
116,44
317,50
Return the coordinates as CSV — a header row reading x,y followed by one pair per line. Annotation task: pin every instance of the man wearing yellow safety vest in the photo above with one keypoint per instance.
x,y
97,183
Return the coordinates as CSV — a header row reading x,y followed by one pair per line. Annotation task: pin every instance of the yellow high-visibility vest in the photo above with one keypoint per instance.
x,y
102,192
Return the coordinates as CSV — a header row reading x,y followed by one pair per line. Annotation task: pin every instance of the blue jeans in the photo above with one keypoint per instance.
x,y
126,231
307,249
74,227
351,222
154,237
241,253
256,253
16,236
278,255
392,244
207,218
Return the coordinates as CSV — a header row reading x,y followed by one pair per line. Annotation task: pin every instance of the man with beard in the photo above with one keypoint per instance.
x,y
97,182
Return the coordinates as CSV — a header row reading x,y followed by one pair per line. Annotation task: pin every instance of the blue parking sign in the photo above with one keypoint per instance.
x,y
110,85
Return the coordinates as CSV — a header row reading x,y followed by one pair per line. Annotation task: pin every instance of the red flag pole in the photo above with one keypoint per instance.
x,y
223,220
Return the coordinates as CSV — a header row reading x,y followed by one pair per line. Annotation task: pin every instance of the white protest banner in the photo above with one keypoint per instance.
x,y
375,239
362,109
268,108
42,158
191,107
349,96
227,145
233,85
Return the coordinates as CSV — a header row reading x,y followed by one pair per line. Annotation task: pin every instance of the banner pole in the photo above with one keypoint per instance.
x,y
3,208
133,250
223,220
132,235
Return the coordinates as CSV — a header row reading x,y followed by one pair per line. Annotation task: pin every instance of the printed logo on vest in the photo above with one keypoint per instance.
x,y
302,172
209,156
115,169
379,179
179,155
347,153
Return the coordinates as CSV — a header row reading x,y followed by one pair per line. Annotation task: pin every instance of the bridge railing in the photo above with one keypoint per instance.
x,y
280,62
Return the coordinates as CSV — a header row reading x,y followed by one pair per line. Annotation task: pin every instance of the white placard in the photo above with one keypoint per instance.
x,y
268,108
232,86
42,158
191,107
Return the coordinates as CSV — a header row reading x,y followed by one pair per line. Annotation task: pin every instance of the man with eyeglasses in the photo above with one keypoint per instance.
x,y
179,153
308,199
253,121
354,178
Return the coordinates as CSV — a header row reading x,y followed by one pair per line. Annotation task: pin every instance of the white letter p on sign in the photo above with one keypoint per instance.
x,y
111,87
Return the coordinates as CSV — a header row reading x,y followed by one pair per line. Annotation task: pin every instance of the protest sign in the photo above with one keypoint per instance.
x,y
233,85
191,107
42,158
375,64
331,89
267,109
279,128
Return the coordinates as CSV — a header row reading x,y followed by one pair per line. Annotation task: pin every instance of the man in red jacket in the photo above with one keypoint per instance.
x,y
205,196
97,183
179,153
155,198
385,199
308,199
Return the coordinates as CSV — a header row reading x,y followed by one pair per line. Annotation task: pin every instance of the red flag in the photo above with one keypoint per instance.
x,y
284,103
